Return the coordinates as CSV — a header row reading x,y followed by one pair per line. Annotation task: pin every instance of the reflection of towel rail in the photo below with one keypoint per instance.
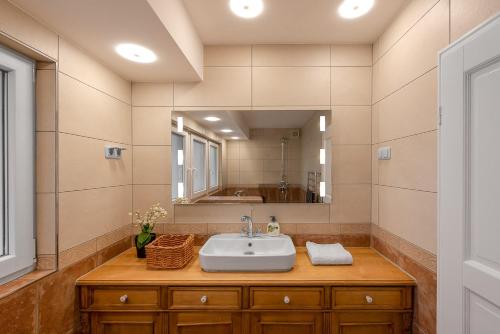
x,y
313,179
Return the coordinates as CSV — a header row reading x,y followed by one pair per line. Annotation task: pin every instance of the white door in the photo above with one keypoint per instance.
x,y
469,184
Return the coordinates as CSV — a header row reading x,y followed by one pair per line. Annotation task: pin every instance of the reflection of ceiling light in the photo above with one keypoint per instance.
x,y
212,119
235,138
135,53
351,9
226,130
246,9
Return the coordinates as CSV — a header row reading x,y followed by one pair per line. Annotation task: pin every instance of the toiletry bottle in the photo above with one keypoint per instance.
x,y
273,228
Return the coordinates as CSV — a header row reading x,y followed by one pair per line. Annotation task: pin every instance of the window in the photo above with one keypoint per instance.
x,y
195,165
213,165
199,165
17,148
178,163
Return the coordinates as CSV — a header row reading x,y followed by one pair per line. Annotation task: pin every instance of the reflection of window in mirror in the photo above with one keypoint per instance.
x,y
256,156
195,164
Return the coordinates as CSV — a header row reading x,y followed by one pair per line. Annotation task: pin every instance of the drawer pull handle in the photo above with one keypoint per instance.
x,y
203,299
286,300
369,299
124,299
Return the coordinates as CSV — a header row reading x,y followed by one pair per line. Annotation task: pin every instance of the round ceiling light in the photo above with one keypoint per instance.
x,y
351,9
246,8
212,118
235,138
226,130
135,53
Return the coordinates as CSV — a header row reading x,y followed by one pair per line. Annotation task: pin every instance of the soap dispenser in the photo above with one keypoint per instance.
x,y
273,228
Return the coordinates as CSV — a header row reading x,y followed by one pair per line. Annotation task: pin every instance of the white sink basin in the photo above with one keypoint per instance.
x,y
232,252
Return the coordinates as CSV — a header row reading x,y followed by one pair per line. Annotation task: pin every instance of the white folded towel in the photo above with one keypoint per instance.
x,y
321,254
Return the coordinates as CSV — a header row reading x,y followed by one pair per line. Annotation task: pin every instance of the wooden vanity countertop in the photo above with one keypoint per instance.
x,y
369,268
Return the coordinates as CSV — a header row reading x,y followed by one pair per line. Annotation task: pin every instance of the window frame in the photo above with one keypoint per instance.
x,y
198,194
185,165
19,156
216,186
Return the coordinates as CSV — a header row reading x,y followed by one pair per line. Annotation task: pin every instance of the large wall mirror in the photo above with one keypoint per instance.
x,y
251,156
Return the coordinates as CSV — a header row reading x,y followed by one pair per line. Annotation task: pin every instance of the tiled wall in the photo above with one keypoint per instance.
x,y
404,191
317,77
258,160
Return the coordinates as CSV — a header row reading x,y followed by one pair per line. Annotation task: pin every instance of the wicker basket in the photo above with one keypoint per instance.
x,y
170,251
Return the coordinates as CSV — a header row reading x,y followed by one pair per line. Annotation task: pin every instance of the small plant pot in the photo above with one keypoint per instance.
x,y
141,252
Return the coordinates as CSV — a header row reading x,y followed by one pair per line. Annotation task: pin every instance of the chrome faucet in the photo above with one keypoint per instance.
x,y
249,228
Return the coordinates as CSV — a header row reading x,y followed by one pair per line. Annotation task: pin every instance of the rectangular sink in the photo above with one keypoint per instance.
x,y
232,252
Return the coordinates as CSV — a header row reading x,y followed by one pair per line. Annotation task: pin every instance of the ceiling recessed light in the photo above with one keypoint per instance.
x,y
212,118
135,53
246,9
235,138
351,9
226,130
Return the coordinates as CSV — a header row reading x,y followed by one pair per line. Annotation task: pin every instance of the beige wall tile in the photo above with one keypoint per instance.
x,y
225,228
421,256
251,177
285,86
45,162
147,195
351,203
466,14
374,204
351,55
291,213
313,228
186,228
24,28
46,223
359,228
351,125
375,178
413,163
221,86
410,15
409,214
291,55
77,253
151,125
414,54
152,165
351,86
351,164
85,215
152,94
210,213
82,164
110,238
409,111
77,64
228,55
86,111
45,100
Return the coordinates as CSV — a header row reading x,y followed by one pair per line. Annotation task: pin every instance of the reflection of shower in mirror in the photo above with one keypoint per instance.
x,y
283,185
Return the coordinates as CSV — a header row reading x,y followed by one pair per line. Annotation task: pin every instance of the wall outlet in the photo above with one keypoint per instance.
x,y
384,153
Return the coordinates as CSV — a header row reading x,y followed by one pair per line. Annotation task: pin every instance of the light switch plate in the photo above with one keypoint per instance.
x,y
384,153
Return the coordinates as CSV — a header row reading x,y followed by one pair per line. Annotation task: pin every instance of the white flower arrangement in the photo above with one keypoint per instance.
x,y
146,222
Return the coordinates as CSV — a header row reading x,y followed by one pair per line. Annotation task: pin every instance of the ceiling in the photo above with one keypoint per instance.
x,y
242,120
176,30
97,26
289,21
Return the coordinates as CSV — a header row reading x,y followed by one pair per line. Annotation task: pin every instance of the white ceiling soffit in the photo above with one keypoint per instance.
x,y
277,119
290,22
98,26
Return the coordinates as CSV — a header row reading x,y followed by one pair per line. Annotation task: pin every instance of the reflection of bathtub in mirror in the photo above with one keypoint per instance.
x,y
264,193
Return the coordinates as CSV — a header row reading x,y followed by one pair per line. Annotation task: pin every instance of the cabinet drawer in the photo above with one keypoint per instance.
x,y
125,297
371,298
286,298
204,298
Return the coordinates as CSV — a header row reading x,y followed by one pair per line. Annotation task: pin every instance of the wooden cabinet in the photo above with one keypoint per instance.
x,y
127,323
246,309
205,323
269,322
355,322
